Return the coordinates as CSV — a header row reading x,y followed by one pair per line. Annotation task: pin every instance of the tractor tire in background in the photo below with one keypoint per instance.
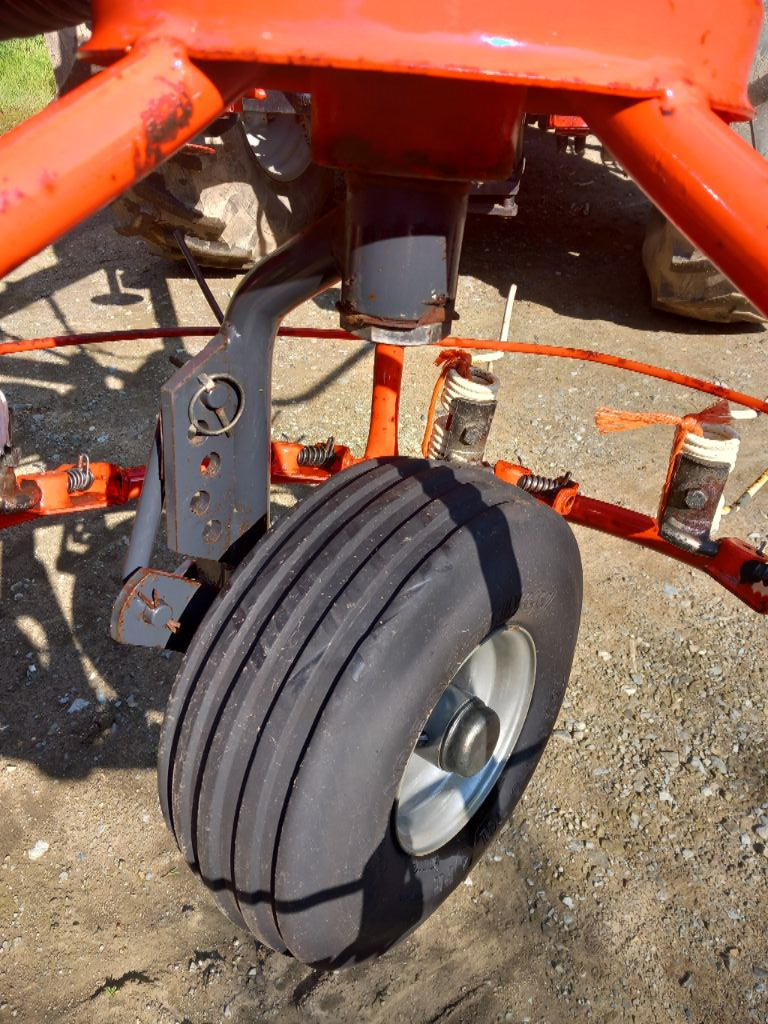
x,y
237,193
241,190
682,279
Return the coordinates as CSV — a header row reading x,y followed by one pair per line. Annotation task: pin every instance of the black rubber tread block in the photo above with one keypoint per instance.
x,y
268,570
222,618
266,662
319,653
217,713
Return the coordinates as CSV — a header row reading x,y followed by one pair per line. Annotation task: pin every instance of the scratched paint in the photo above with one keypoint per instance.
x,y
162,122
500,42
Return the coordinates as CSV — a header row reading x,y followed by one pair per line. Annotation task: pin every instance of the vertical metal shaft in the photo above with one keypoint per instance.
x,y
148,513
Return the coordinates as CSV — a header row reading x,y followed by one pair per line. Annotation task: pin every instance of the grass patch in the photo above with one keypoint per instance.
x,y
26,80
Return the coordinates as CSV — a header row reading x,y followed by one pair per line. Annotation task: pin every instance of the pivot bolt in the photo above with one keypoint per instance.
x,y
695,498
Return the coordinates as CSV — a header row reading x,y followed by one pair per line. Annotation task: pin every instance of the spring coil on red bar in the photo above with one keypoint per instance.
x,y
80,477
534,484
755,572
320,454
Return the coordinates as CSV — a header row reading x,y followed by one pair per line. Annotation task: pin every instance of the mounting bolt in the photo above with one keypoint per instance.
x,y
470,739
159,616
471,436
695,499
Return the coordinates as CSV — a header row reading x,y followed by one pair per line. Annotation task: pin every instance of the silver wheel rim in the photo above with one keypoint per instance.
x,y
279,143
433,806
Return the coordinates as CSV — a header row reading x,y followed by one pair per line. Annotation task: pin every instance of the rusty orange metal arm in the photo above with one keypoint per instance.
x,y
385,401
112,485
85,149
725,567
702,175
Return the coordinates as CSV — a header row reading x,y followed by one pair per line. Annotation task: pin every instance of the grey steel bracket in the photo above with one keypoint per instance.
x,y
215,411
159,609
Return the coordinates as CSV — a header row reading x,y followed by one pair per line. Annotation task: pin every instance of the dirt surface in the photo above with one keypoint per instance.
x,y
630,884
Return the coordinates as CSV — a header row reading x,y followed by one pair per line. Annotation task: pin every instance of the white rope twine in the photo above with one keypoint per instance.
x,y
718,447
480,387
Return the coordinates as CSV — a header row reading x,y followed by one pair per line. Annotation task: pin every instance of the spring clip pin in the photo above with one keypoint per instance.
x,y
80,477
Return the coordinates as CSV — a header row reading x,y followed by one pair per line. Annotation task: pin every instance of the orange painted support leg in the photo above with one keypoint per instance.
x,y
702,175
385,401
85,149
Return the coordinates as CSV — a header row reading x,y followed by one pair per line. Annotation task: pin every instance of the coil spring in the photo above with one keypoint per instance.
x,y
80,477
320,454
755,572
534,484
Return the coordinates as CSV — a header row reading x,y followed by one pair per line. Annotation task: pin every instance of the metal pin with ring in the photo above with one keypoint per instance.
x,y
207,385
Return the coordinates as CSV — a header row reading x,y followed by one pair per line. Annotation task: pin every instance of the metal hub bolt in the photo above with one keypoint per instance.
x,y
460,735
695,498
466,742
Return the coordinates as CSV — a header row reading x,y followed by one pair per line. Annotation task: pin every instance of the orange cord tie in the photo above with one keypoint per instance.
x,y
452,359
609,421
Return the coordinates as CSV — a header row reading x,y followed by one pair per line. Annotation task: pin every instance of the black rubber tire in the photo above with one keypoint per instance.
x,y
232,213
307,685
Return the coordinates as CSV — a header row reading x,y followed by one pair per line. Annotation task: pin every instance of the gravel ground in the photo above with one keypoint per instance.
x,y
630,883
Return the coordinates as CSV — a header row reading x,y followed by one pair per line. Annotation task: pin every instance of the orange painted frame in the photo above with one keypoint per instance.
x,y
651,79
654,80
115,485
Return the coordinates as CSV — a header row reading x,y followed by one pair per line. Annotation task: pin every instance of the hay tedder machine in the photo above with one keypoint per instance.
x,y
348,731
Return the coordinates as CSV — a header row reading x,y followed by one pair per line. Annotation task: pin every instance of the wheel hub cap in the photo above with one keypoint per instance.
x,y
466,742
461,733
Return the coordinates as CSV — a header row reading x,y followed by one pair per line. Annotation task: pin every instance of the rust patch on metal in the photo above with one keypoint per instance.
x,y
162,121
434,313
15,496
